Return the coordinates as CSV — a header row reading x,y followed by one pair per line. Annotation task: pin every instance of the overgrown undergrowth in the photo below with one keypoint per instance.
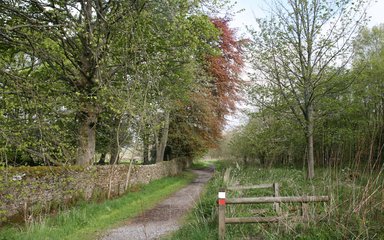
x,y
356,210
87,221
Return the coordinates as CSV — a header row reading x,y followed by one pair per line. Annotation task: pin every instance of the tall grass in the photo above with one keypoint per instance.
x,y
88,221
356,210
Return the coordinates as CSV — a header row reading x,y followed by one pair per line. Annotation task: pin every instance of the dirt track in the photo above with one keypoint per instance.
x,y
166,216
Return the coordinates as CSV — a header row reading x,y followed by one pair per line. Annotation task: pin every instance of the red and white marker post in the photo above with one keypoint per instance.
x,y
221,202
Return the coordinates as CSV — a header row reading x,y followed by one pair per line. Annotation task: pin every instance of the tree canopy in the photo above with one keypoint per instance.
x,y
81,78
349,116
298,53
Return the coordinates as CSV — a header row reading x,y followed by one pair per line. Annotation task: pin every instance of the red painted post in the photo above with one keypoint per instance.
x,y
221,202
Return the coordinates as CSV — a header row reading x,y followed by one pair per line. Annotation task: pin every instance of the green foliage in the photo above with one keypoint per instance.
x,y
269,139
348,128
297,55
79,79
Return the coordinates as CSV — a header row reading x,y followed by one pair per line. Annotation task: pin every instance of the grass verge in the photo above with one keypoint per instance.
x,y
356,210
204,164
89,220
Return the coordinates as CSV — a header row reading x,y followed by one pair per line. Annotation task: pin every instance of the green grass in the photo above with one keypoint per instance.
x,y
87,221
202,164
355,212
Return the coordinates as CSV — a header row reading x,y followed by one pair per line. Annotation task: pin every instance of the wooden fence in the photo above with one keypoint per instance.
x,y
276,200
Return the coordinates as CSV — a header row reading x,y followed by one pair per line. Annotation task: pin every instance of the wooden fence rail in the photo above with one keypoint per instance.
x,y
251,200
269,185
274,186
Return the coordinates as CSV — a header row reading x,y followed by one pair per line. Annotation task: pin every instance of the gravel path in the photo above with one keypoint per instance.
x,y
166,216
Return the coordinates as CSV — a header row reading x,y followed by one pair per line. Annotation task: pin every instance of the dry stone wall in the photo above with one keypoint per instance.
x,y
25,190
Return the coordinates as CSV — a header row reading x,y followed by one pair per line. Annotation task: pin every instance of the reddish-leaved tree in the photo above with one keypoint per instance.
x,y
225,70
205,116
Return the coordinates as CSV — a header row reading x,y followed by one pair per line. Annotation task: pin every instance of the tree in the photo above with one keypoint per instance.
x,y
202,115
110,72
368,89
72,38
34,125
172,70
96,49
299,50
225,70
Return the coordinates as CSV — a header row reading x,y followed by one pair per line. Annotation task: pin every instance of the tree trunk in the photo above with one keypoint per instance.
x,y
145,153
114,153
163,140
310,152
87,135
114,145
146,159
102,159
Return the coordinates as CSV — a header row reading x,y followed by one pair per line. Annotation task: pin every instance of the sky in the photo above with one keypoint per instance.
x,y
254,8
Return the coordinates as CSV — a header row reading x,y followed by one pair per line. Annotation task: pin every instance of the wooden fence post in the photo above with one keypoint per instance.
x,y
276,194
221,203
304,211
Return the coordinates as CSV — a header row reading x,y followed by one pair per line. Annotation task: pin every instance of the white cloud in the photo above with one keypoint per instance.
x,y
257,8
376,11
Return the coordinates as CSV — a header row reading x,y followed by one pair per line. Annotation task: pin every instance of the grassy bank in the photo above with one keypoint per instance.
x,y
356,210
87,221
